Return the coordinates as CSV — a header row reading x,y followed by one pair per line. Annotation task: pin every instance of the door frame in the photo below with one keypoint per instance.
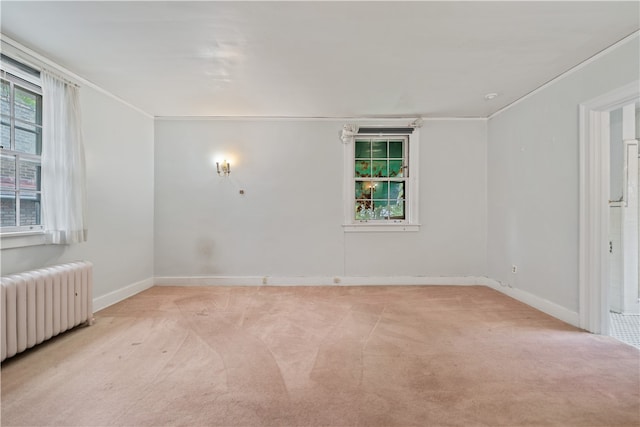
x,y
593,262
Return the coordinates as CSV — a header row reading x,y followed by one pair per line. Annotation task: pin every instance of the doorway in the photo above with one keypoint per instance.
x,y
624,218
595,191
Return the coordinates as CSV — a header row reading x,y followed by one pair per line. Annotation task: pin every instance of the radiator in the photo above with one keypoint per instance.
x,y
40,304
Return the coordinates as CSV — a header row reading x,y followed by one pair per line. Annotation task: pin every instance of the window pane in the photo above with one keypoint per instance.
x,y
363,149
28,139
379,149
363,168
395,149
7,208
8,172
5,103
28,106
381,190
29,208
364,210
5,136
380,209
30,175
379,169
396,190
396,209
395,168
363,189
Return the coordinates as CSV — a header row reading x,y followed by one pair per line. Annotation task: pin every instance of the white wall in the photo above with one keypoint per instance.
x,y
616,153
533,179
289,222
119,154
452,239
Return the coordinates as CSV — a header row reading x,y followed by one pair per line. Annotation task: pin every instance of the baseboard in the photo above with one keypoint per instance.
x,y
541,304
546,306
313,280
111,298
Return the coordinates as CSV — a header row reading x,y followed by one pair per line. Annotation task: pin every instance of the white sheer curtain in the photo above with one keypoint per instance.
x,y
64,199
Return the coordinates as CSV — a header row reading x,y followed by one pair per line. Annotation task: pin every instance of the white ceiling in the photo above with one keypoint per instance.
x,y
319,59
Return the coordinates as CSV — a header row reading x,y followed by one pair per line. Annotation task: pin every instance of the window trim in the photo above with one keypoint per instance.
x,y
10,240
411,222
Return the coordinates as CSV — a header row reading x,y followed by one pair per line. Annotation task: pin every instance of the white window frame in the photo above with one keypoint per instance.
x,y
28,234
411,220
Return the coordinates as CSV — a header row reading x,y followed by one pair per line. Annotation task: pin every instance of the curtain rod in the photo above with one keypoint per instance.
x,y
59,77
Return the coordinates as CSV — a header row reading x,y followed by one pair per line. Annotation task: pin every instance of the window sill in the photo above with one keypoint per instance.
x,y
22,239
351,228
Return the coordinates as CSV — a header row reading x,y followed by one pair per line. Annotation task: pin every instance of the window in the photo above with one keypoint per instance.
x,y
381,192
20,148
380,180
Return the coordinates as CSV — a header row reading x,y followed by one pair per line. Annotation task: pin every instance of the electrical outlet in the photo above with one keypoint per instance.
x,y
264,280
514,269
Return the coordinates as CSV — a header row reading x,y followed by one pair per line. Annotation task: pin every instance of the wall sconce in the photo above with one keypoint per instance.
x,y
223,169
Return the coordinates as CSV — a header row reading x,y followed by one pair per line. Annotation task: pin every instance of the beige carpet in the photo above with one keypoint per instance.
x,y
330,356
